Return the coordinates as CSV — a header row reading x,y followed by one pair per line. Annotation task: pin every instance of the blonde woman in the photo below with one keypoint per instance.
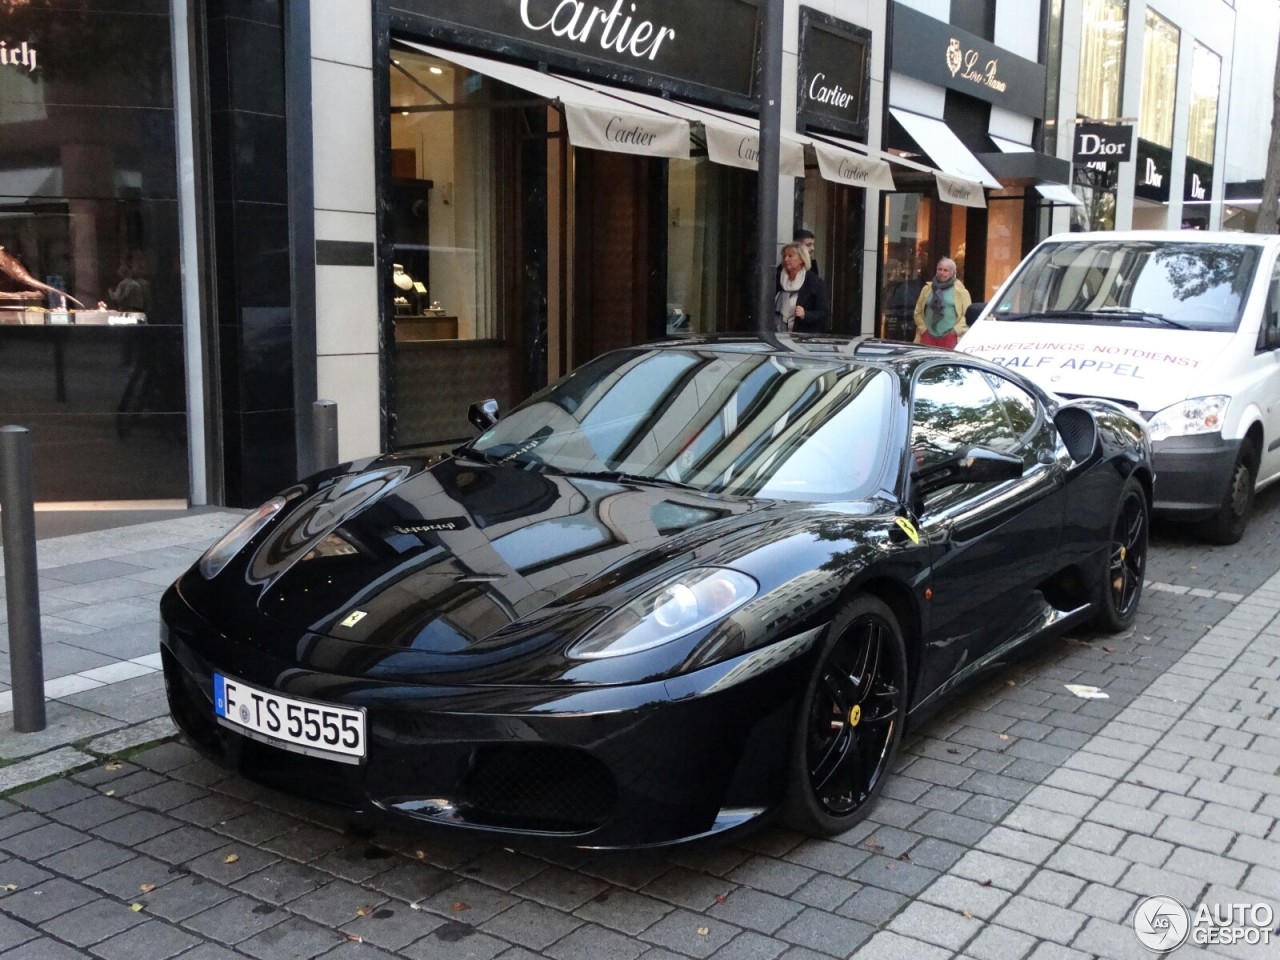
x,y
801,300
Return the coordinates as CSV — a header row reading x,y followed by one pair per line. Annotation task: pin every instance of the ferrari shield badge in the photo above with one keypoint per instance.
x,y
353,618
907,527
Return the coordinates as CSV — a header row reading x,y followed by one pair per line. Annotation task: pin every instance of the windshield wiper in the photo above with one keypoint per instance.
x,y
1147,316
618,476
1100,315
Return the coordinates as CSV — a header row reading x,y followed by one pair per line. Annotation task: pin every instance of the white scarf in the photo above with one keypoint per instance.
x,y
785,302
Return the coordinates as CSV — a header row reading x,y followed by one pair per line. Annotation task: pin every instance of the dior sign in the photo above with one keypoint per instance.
x,y
1103,142
616,30
22,56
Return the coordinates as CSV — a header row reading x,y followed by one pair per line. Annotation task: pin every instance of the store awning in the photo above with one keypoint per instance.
x,y
1054,191
594,120
840,162
961,177
732,140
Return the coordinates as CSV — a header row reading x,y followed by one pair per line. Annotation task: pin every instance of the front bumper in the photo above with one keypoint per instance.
x,y
621,766
1192,474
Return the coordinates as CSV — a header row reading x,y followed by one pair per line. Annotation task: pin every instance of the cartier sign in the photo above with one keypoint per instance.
x,y
938,53
692,43
1103,143
834,65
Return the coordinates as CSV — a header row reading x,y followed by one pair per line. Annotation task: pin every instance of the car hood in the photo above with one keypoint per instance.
x,y
1142,367
463,555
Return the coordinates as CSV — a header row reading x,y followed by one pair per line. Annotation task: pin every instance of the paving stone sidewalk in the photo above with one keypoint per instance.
x,y
1024,822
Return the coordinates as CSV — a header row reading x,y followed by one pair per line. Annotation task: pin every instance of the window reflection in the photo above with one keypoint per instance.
x,y
955,409
748,424
1159,80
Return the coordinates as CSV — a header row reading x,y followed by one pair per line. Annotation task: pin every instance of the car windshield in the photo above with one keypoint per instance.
x,y
1156,284
722,421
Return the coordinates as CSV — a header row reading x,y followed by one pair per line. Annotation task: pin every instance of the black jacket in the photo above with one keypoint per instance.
x,y
812,295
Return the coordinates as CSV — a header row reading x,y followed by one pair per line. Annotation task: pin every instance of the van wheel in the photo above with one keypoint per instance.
x,y
1227,526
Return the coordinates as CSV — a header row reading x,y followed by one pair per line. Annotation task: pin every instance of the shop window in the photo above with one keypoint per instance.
x,y
1004,238
1102,59
448,218
904,262
1206,72
710,248
1159,80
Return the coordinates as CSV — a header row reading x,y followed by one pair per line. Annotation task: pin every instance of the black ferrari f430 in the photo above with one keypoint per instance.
x,y
686,588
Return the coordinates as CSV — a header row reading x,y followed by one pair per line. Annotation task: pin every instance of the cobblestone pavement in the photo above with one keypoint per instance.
x,y
1022,822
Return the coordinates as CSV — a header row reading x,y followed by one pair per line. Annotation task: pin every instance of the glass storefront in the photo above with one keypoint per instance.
x,y
1098,97
91,320
906,261
1206,73
1159,80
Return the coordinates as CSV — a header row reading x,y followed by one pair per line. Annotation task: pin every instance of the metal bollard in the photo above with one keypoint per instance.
x,y
22,589
324,435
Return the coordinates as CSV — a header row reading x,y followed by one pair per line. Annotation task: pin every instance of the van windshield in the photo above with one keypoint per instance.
x,y
1159,284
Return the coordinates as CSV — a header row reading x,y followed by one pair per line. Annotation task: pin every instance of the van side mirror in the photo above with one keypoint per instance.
x,y
483,415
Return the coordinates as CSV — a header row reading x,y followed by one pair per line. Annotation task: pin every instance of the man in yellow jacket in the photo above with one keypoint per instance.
x,y
941,306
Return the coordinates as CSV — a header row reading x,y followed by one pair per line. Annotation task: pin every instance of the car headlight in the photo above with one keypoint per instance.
x,y
220,554
671,610
1188,417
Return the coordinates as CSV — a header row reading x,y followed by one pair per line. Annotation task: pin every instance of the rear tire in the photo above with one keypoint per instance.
x,y
1227,525
850,722
1120,587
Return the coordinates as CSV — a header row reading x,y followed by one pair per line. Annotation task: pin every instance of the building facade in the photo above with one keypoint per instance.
x,y
406,206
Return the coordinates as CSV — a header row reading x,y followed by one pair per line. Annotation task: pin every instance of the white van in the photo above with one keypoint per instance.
x,y
1182,326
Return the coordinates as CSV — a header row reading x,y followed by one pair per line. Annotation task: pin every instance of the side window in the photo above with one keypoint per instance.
x,y
1019,406
954,408
1269,333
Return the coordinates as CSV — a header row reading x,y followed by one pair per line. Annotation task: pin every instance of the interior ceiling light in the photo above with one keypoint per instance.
x,y
436,70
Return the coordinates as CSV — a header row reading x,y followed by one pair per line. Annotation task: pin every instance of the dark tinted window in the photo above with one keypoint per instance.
x,y
954,408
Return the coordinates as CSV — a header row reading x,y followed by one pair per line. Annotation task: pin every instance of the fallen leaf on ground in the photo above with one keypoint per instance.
x,y
984,883
1004,736
966,914
420,854
459,906
871,843
363,911
11,887
1109,649
147,887
355,939
114,766
111,793
952,750
135,907
1011,683
704,931
721,898
415,905
231,858
904,856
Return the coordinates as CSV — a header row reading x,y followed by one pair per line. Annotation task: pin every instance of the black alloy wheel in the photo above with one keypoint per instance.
x,y
851,720
1126,563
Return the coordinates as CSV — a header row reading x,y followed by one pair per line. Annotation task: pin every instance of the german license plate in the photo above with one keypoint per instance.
x,y
304,726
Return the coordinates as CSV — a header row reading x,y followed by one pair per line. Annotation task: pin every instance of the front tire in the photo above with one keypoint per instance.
x,y
1227,525
850,722
1120,588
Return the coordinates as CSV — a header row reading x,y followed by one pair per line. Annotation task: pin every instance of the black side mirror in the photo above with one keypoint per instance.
x,y
973,311
975,465
483,415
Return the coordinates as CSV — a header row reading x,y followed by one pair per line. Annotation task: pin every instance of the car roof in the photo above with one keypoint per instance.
x,y
1165,236
897,355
